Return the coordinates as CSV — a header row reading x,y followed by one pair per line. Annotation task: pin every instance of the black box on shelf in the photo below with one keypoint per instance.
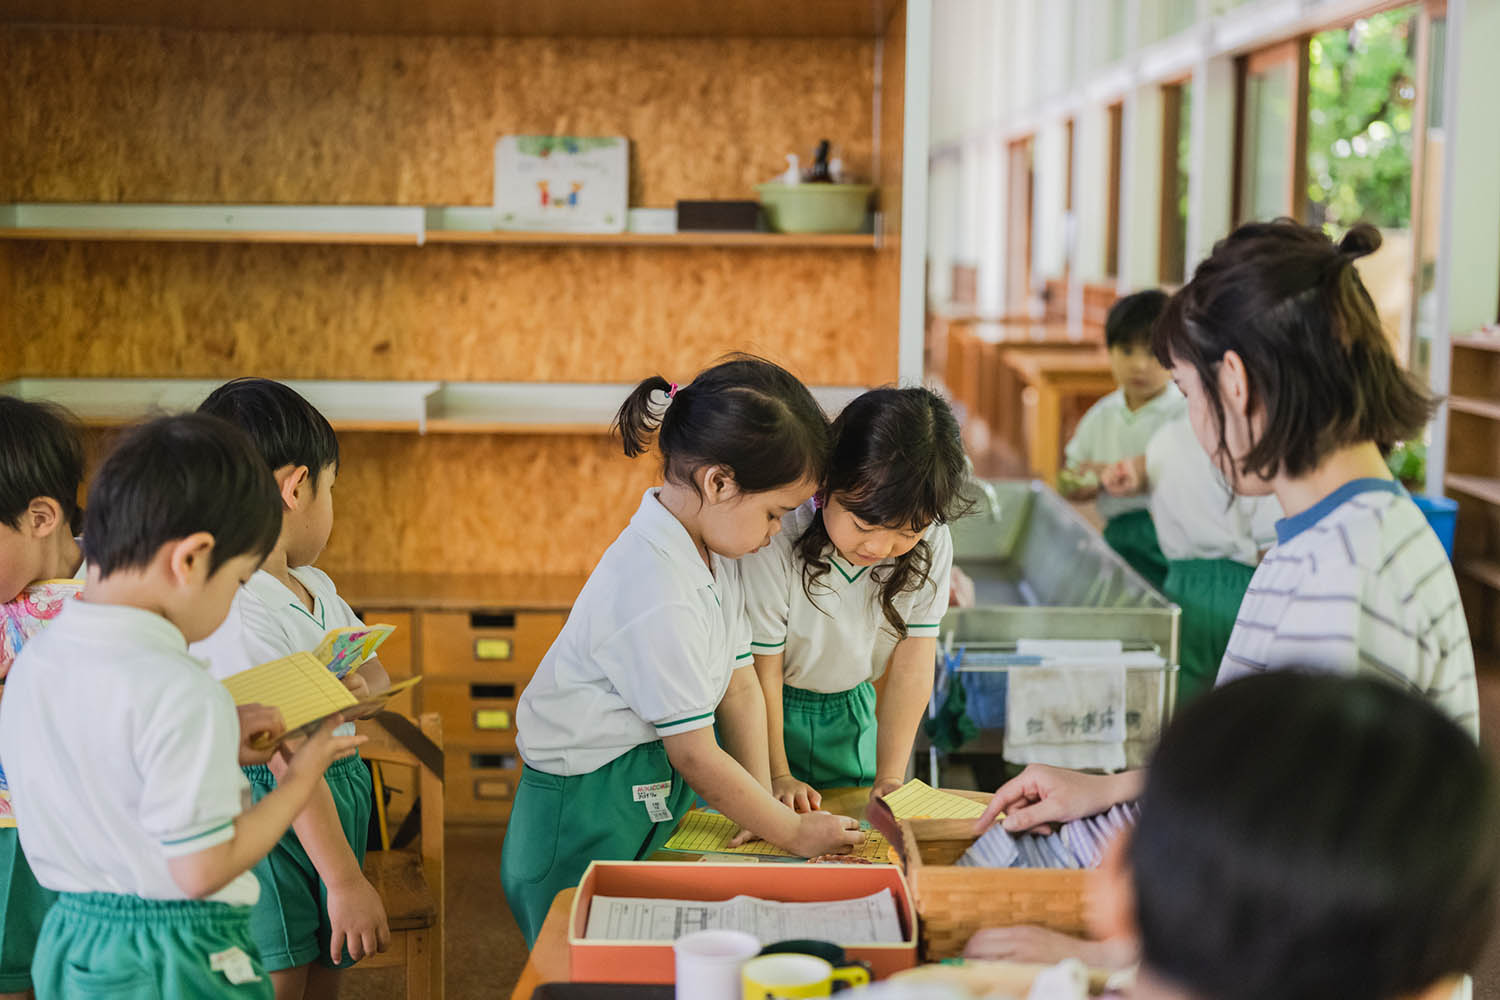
x,y
718,216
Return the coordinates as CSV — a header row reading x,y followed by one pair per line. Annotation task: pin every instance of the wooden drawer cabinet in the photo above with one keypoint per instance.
x,y
487,645
480,784
475,713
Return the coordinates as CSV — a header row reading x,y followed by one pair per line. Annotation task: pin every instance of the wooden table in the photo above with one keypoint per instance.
x,y
1051,377
549,956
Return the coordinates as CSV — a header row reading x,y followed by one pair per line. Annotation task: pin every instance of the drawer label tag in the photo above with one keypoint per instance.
x,y
492,649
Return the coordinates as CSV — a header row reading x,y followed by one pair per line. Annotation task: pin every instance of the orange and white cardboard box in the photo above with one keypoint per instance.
x,y
652,961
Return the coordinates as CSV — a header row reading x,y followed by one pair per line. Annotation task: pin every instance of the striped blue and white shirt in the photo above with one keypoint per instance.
x,y
1359,584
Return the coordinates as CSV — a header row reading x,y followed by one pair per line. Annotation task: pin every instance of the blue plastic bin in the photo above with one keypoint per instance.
x,y
1442,514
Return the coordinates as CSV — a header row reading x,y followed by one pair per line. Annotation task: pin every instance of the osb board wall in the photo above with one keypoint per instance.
x,y
481,503
151,115
472,503
444,312
10,362
892,112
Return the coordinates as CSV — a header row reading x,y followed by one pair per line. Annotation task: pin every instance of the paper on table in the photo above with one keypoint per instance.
x,y
867,920
708,832
918,800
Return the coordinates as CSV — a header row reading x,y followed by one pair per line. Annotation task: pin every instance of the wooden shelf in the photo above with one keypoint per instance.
x,y
556,18
1489,409
402,407
461,591
1484,488
758,241
398,225
1485,571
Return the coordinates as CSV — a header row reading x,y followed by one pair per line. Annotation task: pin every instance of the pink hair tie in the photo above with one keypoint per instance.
x,y
672,392
817,502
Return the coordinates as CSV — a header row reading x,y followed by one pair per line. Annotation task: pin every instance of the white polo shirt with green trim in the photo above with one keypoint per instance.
x,y
837,638
647,650
124,753
267,621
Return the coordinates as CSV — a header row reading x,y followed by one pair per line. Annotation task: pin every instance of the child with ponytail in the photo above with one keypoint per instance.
x,y
616,728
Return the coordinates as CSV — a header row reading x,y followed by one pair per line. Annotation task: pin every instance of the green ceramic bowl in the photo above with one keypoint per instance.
x,y
815,208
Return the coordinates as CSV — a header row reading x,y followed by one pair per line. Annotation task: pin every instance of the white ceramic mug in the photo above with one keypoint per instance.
x,y
708,963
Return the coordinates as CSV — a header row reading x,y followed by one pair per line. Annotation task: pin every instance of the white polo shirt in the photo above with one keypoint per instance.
x,y
267,621
1110,431
1360,584
1196,515
838,638
123,753
647,650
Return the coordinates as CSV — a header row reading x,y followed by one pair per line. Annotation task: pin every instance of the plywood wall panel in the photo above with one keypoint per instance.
x,y
10,362
461,313
161,115
479,503
892,112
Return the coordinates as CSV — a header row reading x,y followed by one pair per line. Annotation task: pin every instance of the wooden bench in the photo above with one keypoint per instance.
x,y
410,882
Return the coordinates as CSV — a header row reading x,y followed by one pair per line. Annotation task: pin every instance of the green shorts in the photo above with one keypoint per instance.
x,y
99,945
26,904
559,824
830,739
290,924
1133,535
1209,591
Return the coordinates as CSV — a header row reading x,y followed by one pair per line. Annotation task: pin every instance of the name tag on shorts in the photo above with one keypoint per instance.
x,y
654,796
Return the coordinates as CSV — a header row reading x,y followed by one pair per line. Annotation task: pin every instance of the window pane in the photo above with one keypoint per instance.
x,y
1267,176
1361,106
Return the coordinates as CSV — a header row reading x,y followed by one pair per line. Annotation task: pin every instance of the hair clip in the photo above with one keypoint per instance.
x,y
817,501
672,392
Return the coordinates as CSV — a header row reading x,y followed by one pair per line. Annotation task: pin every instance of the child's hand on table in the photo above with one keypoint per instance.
x,y
1126,477
258,723
798,796
824,833
358,919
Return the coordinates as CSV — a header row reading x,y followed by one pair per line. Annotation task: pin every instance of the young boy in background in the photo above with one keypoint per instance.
x,y
123,751
1120,425
317,912
41,467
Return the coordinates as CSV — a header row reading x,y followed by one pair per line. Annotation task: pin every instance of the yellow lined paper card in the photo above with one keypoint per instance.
x,y
918,800
299,685
710,833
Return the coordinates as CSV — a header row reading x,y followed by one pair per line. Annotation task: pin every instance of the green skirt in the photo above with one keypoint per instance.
x,y
559,824
98,945
1133,535
830,739
1209,591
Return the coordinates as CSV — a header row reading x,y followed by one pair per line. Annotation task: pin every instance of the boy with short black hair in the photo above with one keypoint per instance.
x,y
41,467
123,752
315,902
1119,427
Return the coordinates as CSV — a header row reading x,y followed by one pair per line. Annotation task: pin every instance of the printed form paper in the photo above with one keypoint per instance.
x,y
868,920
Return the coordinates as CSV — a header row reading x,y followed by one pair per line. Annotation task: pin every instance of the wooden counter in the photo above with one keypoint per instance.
x,y
461,591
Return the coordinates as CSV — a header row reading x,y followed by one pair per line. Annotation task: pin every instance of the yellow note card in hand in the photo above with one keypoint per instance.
x,y
299,686
919,800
